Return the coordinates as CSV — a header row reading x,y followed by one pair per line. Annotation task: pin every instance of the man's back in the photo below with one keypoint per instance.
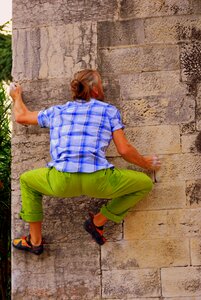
x,y
80,132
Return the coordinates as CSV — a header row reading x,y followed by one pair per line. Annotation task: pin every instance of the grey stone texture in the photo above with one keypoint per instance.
x,y
149,57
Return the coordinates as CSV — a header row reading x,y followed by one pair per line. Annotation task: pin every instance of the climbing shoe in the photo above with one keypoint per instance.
x,y
24,243
96,232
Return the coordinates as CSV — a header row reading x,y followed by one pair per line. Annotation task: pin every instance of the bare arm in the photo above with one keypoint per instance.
x,y
21,112
130,153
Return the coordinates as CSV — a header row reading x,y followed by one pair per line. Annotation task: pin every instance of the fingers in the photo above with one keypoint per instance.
x,y
156,164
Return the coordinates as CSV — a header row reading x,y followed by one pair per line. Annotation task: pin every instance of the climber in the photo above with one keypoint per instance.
x,y
80,132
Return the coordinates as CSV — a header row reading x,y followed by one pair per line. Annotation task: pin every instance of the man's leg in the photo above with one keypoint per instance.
x,y
129,187
125,187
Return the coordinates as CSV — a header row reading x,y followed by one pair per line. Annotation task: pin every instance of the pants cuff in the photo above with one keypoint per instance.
x,y
31,218
115,218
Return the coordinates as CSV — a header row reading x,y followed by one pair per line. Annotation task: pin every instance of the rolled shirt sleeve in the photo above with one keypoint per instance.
x,y
44,117
115,119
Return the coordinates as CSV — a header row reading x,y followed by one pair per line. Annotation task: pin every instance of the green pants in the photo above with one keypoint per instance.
x,y
124,187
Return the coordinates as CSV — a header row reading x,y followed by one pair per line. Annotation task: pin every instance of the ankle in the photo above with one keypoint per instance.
x,y
98,222
35,243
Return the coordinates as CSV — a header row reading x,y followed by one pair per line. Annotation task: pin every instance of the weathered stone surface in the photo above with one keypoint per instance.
x,y
129,283
153,137
148,53
190,57
198,107
174,167
50,12
74,285
170,252
139,58
118,33
172,29
189,143
179,282
193,193
195,251
146,8
176,223
162,197
51,52
158,110
139,85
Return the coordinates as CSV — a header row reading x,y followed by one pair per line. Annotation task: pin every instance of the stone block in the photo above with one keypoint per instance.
x,y
50,12
196,6
139,59
193,193
128,255
146,8
177,167
198,107
158,110
178,282
53,52
190,58
163,197
49,286
149,140
130,283
172,29
118,33
176,223
195,246
150,84
189,143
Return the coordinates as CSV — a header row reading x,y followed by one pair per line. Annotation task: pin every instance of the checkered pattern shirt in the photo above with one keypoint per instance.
x,y
80,133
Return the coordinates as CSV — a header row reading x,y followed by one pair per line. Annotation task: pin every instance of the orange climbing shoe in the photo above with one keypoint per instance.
x,y
24,243
96,232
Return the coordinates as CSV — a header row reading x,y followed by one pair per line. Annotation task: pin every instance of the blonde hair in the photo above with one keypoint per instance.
x,y
83,83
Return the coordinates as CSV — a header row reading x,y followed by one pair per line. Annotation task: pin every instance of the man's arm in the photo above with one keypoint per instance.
x,y
130,154
21,112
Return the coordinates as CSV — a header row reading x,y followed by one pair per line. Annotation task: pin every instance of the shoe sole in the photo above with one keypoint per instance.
x,y
29,250
100,240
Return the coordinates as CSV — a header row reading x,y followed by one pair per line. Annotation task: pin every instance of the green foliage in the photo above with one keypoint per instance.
x,y
5,53
5,164
5,191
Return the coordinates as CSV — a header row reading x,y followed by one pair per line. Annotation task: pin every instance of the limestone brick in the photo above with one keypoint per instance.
x,y
143,9
193,193
149,84
178,282
158,110
129,283
163,197
170,252
139,58
174,167
198,107
189,143
195,251
50,12
174,223
50,52
153,137
172,29
126,32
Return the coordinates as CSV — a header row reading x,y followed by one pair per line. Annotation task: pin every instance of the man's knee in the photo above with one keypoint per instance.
x,y
148,183
24,177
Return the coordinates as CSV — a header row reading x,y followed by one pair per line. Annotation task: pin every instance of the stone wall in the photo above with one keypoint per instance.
x,y
149,56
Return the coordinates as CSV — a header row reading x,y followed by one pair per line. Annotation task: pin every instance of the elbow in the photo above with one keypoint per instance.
x,y
19,119
124,151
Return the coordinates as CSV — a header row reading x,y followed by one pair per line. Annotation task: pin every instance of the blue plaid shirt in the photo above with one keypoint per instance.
x,y
80,133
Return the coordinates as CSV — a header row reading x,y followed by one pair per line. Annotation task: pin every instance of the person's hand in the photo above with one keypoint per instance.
x,y
15,91
152,162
